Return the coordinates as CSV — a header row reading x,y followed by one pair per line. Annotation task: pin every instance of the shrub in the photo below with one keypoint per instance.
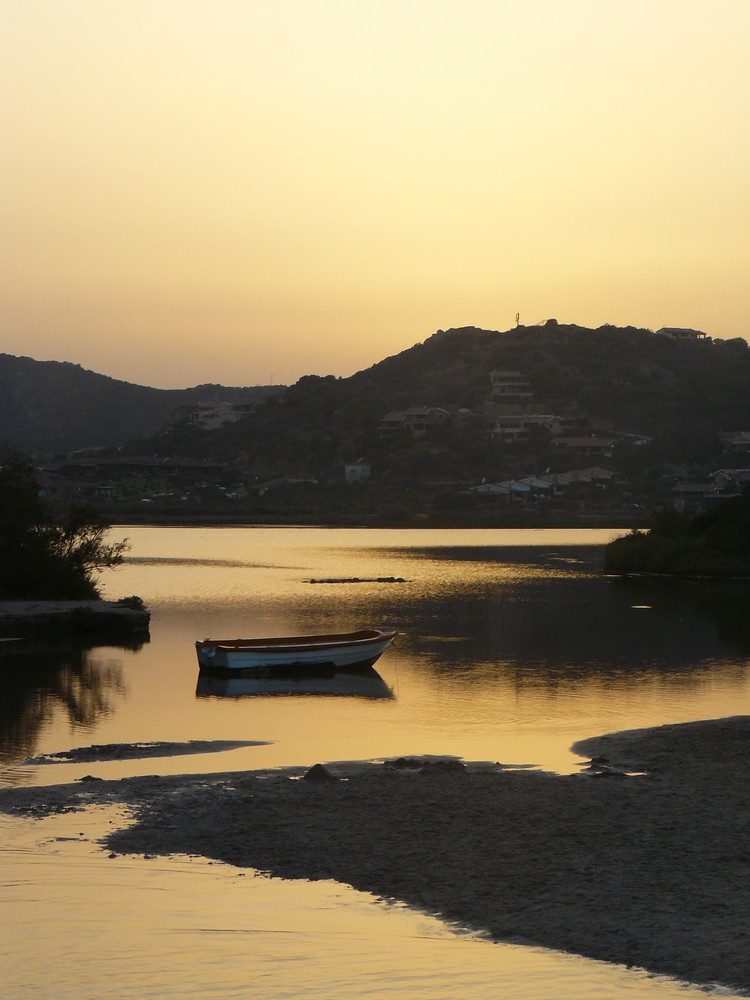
x,y
43,556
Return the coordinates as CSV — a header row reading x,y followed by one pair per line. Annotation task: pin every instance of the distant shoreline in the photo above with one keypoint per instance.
x,y
647,870
617,522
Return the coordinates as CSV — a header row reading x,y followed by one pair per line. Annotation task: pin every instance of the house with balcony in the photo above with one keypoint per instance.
x,y
696,496
510,388
587,445
736,440
733,480
211,415
417,420
682,333
529,488
516,426
576,477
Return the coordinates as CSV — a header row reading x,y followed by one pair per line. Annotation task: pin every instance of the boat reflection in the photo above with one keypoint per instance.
x,y
362,683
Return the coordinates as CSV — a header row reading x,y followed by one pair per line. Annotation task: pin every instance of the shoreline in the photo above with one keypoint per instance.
x,y
614,519
31,618
650,870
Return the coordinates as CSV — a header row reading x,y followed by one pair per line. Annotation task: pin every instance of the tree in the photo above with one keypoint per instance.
x,y
46,557
715,543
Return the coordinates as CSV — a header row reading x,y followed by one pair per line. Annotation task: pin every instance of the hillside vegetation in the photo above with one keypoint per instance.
x,y
51,406
678,394
621,417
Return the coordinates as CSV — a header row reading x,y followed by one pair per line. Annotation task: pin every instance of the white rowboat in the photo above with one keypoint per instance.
x,y
297,652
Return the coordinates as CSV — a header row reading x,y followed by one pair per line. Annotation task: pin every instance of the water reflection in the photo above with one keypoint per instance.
x,y
574,622
512,646
37,678
566,555
363,683
723,603
505,651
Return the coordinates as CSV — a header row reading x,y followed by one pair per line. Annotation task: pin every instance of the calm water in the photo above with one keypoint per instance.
x,y
511,647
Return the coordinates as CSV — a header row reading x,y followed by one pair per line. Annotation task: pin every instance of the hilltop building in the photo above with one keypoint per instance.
x,y
682,333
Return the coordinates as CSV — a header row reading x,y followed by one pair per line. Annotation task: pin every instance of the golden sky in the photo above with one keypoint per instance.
x,y
246,191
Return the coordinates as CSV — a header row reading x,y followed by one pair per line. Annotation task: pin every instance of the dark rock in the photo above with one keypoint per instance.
x,y
318,773
404,763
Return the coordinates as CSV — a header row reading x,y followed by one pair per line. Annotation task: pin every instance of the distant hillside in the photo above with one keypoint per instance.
x,y
48,407
552,424
631,383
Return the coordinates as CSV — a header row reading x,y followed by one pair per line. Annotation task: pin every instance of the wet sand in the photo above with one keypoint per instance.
x,y
139,751
650,870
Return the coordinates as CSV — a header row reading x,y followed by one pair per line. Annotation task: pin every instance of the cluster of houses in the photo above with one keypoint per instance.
x,y
686,495
507,416
91,478
213,414
417,420
510,416
547,486
721,485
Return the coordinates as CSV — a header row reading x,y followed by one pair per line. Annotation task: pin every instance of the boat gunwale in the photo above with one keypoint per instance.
x,y
362,637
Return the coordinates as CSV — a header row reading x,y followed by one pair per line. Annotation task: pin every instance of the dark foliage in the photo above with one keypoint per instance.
x,y
626,383
52,406
715,543
43,557
680,394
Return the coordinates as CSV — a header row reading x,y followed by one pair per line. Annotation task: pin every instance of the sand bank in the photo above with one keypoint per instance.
x,y
139,751
650,870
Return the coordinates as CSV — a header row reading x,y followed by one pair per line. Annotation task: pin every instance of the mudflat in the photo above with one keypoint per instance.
x,y
642,859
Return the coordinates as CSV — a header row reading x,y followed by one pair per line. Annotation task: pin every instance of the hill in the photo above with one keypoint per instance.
x,y
573,419
675,396
48,407
543,424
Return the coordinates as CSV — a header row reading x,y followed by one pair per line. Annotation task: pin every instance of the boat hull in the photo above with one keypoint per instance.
x,y
263,657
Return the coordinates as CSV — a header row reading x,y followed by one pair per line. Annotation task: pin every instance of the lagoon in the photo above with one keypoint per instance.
x,y
511,646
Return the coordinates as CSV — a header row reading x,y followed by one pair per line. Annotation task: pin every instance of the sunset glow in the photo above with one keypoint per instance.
x,y
246,192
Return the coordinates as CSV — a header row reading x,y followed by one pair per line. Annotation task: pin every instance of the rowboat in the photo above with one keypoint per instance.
x,y
260,657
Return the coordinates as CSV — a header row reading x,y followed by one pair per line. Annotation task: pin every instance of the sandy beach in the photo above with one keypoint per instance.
x,y
649,869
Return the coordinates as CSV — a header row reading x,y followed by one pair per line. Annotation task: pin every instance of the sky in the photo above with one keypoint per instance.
x,y
245,192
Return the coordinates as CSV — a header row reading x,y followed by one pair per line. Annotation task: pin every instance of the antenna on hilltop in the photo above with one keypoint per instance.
x,y
518,318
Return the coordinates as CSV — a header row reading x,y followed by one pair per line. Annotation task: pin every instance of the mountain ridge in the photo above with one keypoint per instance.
x,y
49,407
613,419
623,378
